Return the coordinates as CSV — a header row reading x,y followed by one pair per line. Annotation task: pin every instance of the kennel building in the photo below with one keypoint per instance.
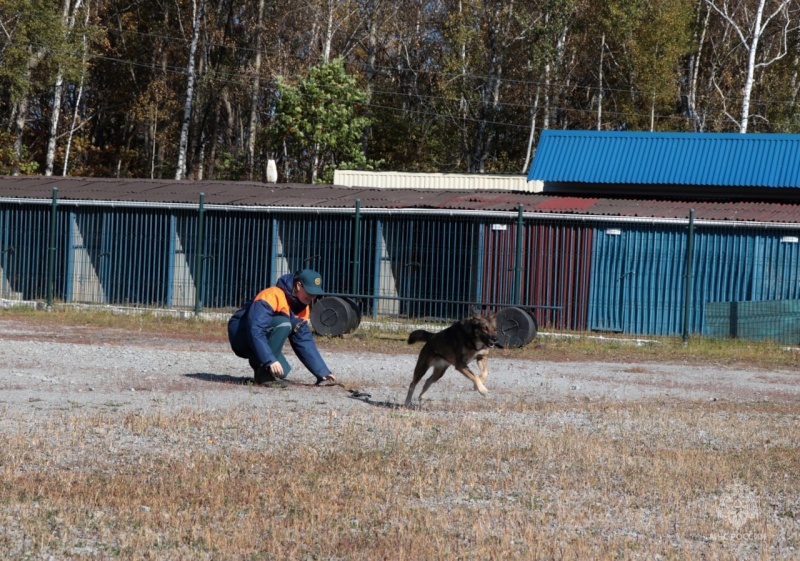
x,y
638,254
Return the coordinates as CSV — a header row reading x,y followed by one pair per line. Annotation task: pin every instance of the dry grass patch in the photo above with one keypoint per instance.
x,y
527,480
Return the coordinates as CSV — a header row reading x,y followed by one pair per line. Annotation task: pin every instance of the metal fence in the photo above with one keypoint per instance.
x,y
575,273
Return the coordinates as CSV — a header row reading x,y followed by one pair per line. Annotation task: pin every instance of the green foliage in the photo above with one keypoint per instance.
x,y
648,41
319,119
8,158
229,166
35,43
546,29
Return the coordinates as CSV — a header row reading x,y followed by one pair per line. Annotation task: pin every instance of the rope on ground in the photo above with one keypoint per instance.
x,y
358,394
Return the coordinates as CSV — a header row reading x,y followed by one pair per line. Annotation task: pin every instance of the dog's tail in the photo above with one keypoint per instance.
x,y
419,335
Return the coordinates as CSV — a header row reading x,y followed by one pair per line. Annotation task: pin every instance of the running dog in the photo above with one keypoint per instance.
x,y
464,341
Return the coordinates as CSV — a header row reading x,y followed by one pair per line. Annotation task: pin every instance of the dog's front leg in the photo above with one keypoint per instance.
x,y
474,378
483,362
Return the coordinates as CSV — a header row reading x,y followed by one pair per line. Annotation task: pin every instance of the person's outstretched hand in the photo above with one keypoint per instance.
x,y
276,369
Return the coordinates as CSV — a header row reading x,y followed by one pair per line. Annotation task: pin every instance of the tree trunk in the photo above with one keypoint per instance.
x,y
463,102
498,36
153,152
314,162
254,93
372,49
757,30
54,116
600,84
751,68
20,116
326,47
73,125
532,132
694,71
58,91
180,172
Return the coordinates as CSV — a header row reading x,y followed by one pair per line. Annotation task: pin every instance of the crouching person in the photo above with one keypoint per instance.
x,y
260,328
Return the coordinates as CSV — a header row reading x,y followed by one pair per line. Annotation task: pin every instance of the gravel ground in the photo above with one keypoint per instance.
x,y
44,370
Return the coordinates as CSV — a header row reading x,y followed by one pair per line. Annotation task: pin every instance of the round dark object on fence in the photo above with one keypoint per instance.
x,y
355,316
535,329
515,327
333,316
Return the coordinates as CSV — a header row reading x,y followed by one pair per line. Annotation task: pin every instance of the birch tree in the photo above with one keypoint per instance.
x,y
180,171
646,43
750,29
479,35
696,120
500,17
77,105
546,51
69,11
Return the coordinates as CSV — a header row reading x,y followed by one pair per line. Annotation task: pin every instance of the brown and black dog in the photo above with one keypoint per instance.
x,y
464,341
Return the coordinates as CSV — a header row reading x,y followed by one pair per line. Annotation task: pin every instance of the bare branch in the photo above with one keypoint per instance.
x,y
730,21
785,46
724,105
782,7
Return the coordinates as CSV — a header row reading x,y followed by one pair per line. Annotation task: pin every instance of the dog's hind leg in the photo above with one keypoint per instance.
x,y
419,372
438,372
464,369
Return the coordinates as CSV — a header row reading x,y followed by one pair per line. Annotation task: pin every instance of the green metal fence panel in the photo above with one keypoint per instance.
x,y
774,320
432,264
237,257
24,243
116,256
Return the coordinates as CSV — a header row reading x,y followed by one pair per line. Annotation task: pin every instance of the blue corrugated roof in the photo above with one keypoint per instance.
x,y
668,158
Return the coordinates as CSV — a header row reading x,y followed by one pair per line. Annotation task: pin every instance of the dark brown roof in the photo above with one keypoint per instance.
x,y
168,191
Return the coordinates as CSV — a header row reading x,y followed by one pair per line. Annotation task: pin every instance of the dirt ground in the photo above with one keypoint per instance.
x,y
45,367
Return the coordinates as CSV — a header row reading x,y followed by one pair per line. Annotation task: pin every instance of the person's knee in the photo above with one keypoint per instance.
x,y
282,328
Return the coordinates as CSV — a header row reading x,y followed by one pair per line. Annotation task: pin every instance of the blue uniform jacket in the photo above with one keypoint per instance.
x,y
248,328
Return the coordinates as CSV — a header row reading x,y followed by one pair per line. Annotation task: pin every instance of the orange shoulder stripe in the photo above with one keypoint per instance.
x,y
276,299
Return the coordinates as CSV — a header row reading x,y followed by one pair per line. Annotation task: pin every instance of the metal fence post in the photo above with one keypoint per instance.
x,y
517,295
51,262
355,284
198,260
687,296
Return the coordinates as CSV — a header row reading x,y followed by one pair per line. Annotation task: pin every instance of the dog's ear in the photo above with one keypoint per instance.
x,y
487,319
476,323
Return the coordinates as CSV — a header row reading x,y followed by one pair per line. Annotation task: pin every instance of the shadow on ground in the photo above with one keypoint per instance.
x,y
248,381
221,378
367,398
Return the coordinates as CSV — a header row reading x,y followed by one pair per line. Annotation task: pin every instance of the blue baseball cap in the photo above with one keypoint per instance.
x,y
311,281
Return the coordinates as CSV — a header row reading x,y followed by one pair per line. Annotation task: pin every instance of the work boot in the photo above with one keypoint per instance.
x,y
263,377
